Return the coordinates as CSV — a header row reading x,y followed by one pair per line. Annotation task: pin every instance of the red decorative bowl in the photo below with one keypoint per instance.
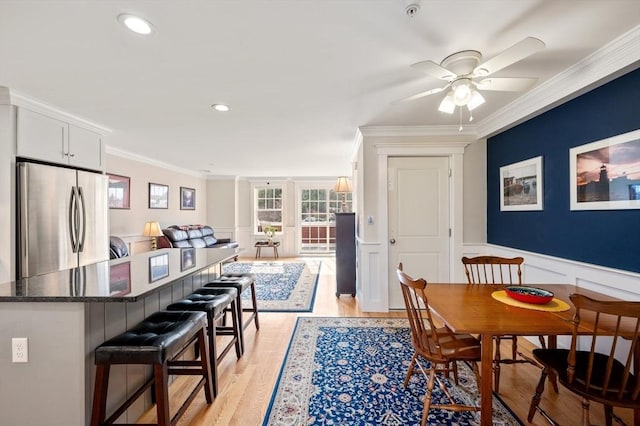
x,y
533,295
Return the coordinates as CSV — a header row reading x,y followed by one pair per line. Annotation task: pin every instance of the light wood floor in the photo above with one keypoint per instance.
x,y
246,384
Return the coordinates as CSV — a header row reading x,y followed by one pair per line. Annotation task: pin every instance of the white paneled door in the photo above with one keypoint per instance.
x,y
418,195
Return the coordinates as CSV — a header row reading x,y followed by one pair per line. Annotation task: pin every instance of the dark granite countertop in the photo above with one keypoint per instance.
x,y
121,280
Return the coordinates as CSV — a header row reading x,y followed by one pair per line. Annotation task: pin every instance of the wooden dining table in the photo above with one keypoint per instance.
x,y
469,308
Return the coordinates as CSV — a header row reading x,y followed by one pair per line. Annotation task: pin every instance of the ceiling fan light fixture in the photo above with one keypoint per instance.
x,y
475,100
461,91
447,105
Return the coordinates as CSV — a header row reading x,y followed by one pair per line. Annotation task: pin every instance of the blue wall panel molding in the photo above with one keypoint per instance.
x,y
606,237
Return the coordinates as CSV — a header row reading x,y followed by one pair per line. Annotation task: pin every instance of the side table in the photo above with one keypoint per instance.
x,y
273,244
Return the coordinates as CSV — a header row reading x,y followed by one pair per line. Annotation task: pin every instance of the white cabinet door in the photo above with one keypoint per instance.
x,y
85,148
45,138
41,137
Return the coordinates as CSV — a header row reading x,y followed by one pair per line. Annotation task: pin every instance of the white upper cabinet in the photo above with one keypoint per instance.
x,y
85,148
45,138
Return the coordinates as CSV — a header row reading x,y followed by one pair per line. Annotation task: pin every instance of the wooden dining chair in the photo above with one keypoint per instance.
x,y
604,377
506,271
440,347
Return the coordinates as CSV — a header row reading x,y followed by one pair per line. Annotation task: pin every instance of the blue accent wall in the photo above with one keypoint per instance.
x,y
603,237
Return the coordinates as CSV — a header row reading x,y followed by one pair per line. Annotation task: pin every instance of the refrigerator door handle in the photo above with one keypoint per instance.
x,y
73,219
83,221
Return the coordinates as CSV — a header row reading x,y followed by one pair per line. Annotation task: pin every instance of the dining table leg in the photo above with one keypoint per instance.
x,y
486,380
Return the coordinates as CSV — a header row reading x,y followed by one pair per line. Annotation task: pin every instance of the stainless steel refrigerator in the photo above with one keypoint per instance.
x,y
62,218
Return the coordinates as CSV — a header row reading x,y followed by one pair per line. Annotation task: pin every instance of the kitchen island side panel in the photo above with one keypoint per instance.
x,y
50,388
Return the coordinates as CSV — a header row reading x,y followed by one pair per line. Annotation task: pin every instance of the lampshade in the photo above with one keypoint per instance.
x,y
447,105
342,185
152,229
475,101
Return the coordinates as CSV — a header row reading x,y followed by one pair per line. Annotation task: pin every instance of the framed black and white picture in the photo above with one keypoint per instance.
x,y
521,185
187,198
158,196
605,175
158,267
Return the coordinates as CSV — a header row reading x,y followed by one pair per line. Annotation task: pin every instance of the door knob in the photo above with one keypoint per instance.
x,y
392,241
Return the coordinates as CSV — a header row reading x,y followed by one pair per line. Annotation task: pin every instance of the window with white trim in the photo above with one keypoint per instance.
x,y
268,208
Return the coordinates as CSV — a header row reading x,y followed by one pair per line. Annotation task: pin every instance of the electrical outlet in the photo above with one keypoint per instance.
x,y
19,349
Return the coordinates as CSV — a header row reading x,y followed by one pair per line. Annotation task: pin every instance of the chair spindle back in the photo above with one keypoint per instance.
x,y
423,330
493,270
616,385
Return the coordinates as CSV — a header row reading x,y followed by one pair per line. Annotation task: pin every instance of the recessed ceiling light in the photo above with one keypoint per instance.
x,y
135,23
221,107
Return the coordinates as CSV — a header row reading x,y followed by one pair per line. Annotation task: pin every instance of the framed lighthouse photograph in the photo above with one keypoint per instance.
x,y
605,175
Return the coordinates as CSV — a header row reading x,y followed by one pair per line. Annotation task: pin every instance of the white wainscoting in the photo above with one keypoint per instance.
x,y
543,269
224,233
371,280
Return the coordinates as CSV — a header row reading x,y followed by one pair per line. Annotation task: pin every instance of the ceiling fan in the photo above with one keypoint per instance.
x,y
466,76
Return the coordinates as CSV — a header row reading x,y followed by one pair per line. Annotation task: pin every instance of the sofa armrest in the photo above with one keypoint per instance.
x,y
223,240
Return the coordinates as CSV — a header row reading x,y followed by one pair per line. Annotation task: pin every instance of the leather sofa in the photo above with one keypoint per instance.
x,y
117,248
198,236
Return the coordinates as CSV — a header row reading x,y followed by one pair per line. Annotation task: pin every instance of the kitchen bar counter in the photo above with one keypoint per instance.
x,y
121,280
66,315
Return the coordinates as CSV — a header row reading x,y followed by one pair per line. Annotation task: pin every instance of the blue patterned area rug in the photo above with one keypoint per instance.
x,y
350,371
282,286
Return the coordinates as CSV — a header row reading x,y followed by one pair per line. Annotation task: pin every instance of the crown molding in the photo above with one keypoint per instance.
x,y
146,160
606,64
222,177
5,96
383,131
21,100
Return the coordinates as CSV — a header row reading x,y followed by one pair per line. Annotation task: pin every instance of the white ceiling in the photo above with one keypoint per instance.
x,y
300,75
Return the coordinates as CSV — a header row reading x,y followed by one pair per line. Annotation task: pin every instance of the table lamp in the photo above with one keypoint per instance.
x,y
152,229
342,187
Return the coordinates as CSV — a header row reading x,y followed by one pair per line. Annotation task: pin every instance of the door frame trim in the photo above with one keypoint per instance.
x,y
454,151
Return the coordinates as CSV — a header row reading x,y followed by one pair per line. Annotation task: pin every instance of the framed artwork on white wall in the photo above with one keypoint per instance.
x,y
187,198
158,196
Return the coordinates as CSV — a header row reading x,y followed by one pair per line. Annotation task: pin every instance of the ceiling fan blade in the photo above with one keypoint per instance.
x,y
515,53
423,94
434,70
506,84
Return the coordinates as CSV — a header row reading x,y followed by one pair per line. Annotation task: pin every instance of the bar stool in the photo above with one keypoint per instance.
x,y
158,341
241,282
214,301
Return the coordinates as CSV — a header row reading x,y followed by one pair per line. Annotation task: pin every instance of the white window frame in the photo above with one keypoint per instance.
x,y
313,184
255,188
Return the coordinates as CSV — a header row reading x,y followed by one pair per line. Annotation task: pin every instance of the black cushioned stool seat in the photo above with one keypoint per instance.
x,y
214,301
241,282
158,340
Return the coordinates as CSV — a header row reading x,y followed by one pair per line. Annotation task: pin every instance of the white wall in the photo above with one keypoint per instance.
x,y
7,191
129,223
222,207
475,192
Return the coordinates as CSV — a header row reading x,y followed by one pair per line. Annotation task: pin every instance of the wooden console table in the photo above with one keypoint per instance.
x,y
261,244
